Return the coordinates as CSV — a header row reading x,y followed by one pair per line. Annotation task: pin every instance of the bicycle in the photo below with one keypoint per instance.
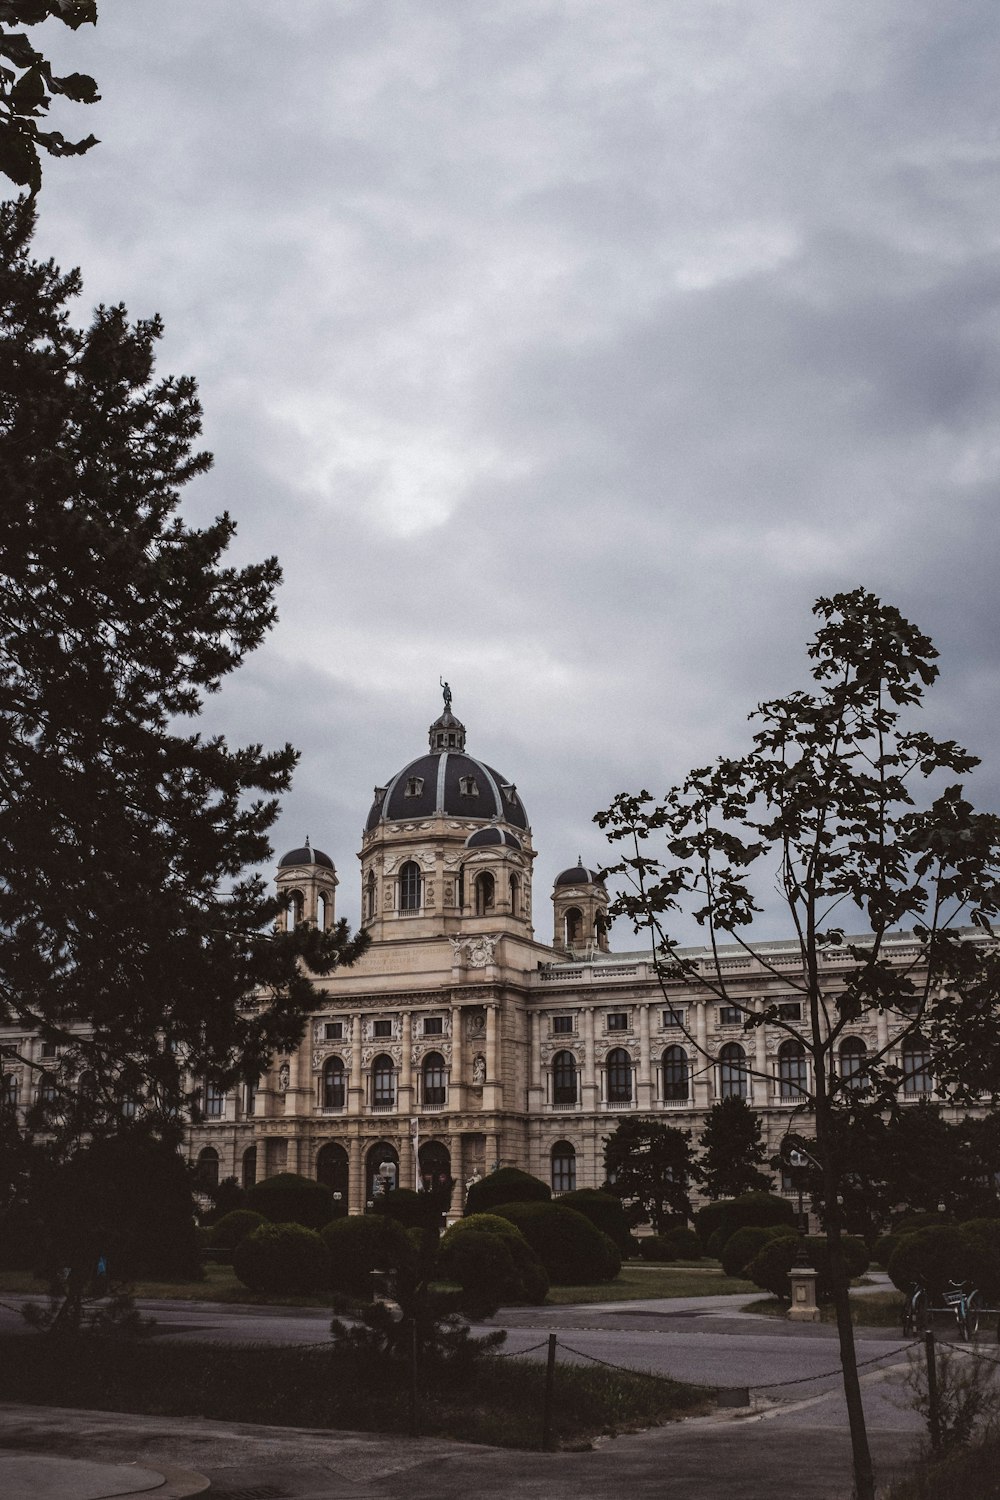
x,y
967,1307
916,1311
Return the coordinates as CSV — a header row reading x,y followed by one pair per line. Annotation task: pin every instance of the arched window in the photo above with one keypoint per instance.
x,y
675,1073
574,926
515,896
435,1171
792,1080
732,1072
409,886
485,893
207,1170
370,897
296,910
853,1053
48,1093
564,1078
383,1082
333,1170
10,1091
916,1060
563,1167
87,1084
460,894
325,910
382,1170
619,1070
433,1076
333,1083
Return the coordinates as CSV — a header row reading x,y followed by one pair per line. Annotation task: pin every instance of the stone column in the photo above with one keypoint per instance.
x,y
356,1093
536,1095
704,1087
588,1089
644,1072
458,1173
457,1080
492,1152
760,1084
406,1100
356,1176
492,1091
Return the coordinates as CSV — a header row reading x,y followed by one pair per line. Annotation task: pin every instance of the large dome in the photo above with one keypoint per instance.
x,y
447,783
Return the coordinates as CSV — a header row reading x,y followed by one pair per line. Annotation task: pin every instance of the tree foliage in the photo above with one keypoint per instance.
x,y
649,1166
28,86
864,821
133,931
733,1151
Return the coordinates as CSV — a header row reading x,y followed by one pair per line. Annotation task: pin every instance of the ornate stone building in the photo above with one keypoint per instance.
x,y
460,1041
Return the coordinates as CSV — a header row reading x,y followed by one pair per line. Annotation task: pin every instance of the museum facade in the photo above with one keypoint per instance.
x,y
460,1042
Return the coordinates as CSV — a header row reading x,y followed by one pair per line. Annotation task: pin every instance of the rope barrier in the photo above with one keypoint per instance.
x,y
774,1385
514,1353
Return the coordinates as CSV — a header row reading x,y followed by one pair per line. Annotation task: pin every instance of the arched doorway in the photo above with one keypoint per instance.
x,y
249,1173
381,1171
333,1170
207,1170
435,1172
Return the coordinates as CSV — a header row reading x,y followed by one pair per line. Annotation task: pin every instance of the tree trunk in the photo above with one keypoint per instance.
x,y
864,1474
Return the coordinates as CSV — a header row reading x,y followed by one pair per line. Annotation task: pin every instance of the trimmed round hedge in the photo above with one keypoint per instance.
x,y
527,1282
653,1247
939,1255
746,1243
507,1185
604,1211
717,1221
770,1267
288,1198
572,1250
683,1244
283,1258
227,1232
361,1244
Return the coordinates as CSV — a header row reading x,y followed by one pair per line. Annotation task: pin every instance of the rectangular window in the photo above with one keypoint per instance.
x,y
618,1020
674,1017
48,1049
562,1024
250,1107
790,1010
382,1028
433,1026
730,1015
215,1101
334,1031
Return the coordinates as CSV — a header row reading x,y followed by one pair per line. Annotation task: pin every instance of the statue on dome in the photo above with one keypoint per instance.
x,y
447,695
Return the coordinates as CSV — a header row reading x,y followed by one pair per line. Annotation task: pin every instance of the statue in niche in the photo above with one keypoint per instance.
x,y
478,1070
284,1078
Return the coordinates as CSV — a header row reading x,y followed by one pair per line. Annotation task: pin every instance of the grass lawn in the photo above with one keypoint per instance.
x,y
637,1280
491,1400
876,1310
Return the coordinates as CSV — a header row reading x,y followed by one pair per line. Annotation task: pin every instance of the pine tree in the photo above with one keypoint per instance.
x,y
134,933
733,1150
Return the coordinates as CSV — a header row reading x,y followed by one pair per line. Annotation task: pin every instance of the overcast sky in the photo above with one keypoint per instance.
x,y
567,349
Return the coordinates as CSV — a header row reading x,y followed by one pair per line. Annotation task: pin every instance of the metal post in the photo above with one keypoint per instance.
x,y
550,1381
933,1410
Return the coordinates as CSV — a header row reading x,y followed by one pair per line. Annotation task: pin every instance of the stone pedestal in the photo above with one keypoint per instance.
x,y
804,1308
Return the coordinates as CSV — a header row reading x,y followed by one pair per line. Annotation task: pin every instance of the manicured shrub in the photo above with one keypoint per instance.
x,y
907,1223
939,1255
985,1232
683,1244
290,1199
507,1185
770,1266
741,1247
603,1210
729,1214
362,1244
655,1247
483,1266
283,1259
716,1244
612,1257
529,1284
568,1245
226,1233
884,1246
